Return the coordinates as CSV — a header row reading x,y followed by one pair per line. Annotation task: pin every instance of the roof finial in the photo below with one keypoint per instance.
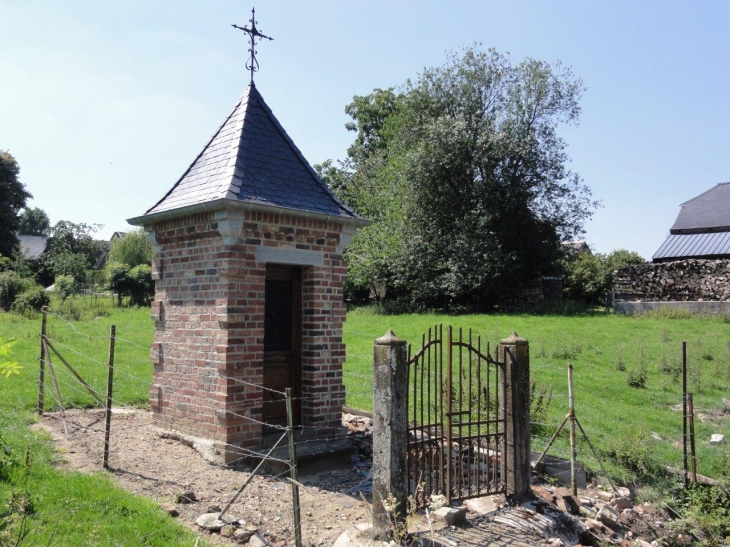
x,y
252,64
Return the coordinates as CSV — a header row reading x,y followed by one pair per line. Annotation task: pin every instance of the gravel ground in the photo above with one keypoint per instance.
x,y
162,469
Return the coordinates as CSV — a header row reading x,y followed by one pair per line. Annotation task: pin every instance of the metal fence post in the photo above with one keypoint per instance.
x,y
390,433
515,354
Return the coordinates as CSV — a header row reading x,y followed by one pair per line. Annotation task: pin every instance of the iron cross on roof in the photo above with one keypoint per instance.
x,y
252,64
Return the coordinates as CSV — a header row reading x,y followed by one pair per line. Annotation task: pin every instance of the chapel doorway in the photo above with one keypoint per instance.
x,y
282,342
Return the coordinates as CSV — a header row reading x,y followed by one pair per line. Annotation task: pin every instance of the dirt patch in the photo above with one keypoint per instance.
x,y
161,469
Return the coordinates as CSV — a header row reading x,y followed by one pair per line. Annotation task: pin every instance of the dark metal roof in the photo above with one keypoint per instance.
x,y
710,209
676,246
252,160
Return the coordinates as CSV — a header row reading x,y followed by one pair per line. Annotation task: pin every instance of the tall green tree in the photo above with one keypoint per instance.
x,y
131,249
13,196
71,250
466,176
34,222
589,277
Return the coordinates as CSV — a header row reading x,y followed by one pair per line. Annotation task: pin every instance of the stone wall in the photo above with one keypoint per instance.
x,y
209,321
681,280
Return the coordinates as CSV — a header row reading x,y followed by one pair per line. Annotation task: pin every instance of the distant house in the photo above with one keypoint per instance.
x,y
101,263
32,246
576,247
691,269
702,228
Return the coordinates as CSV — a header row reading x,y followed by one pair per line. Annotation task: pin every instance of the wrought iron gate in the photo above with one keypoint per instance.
x,y
456,412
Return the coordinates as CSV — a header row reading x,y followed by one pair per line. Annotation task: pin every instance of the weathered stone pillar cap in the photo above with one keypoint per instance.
x,y
389,339
513,339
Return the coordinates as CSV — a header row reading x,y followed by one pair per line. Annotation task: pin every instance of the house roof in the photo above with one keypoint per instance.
x,y
706,245
710,210
250,160
579,246
32,246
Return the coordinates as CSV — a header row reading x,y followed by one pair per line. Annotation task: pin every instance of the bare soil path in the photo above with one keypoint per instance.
x,y
161,469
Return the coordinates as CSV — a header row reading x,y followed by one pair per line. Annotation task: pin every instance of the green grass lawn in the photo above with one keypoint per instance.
x,y
619,419
68,508
85,509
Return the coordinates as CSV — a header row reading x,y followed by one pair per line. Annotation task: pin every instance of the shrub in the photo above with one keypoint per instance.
x,y
117,279
620,363
31,300
637,377
65,286
11,285
141,288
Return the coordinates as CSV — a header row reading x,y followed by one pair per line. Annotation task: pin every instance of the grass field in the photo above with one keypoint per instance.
x,y
633,428
68,508
619,419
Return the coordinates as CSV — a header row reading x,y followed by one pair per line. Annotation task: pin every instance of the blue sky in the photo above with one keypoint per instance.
x,y
105,104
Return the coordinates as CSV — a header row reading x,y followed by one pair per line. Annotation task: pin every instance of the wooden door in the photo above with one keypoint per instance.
x,y
282,342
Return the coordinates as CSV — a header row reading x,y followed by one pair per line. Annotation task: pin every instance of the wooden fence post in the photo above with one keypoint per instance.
x,y
109,388
514,352
390,433
42,362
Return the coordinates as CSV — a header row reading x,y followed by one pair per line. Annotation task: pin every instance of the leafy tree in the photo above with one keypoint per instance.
x,y
466,177
34,222
65,286
11,286
132,249
133,282
13,196
588,277
141,288
117,279
71,250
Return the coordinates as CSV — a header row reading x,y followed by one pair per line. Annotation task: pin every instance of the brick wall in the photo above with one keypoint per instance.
x,y
209,324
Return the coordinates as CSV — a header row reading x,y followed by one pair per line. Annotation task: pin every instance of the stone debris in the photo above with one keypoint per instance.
x,y
484,505
186,497
213,522
243,535
257,541
608,516
450,515
170,509
717,438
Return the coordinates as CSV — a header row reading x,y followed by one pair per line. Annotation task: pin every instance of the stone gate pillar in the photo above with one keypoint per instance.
x,y
390,431
515,353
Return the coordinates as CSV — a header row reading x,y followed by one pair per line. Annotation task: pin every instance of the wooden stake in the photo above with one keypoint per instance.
x,y
73,371
252,475
109,388
293,466
571,413
684,413
42,362
56,390
693,460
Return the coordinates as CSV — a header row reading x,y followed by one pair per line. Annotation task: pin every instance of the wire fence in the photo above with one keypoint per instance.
x,y
72,386
86,424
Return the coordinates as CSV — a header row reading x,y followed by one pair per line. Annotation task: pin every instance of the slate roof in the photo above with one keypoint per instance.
x,y
252,160
711,209
32,246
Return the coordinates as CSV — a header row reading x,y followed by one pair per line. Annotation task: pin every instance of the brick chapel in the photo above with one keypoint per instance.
x,y
249,279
